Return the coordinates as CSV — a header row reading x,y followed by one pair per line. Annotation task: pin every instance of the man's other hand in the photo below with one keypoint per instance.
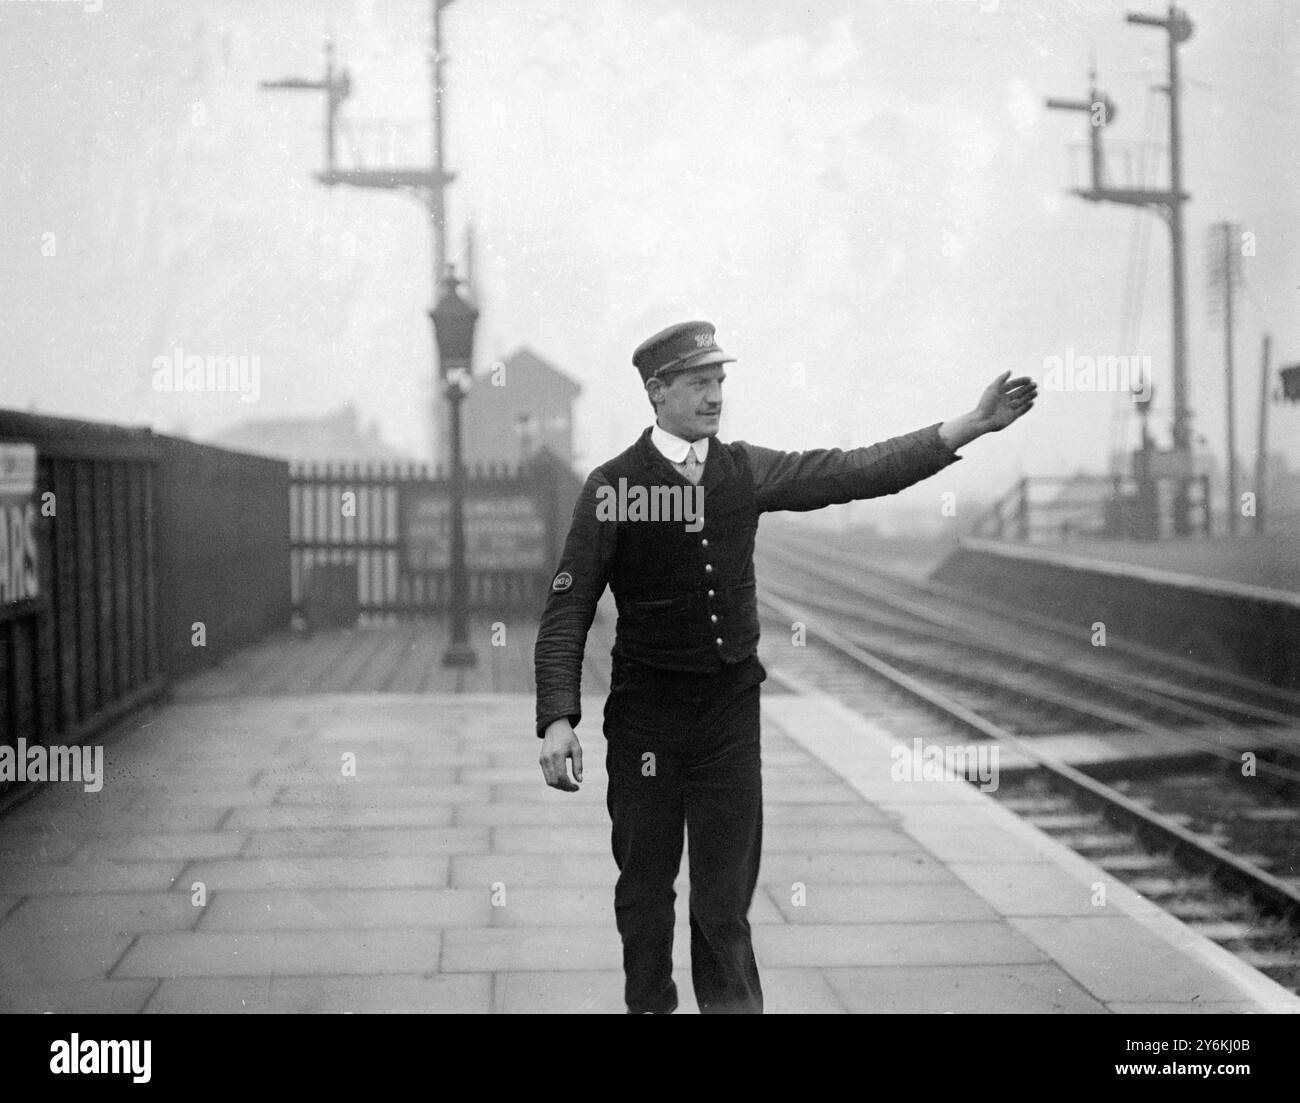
x,y
559,745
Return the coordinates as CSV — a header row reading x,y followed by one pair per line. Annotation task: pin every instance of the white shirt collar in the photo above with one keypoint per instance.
x,y
675,447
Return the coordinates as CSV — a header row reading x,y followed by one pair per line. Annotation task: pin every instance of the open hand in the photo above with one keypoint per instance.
x,y
1005,400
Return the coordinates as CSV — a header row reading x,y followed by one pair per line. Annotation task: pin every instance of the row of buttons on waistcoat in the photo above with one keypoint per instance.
x,y
708,569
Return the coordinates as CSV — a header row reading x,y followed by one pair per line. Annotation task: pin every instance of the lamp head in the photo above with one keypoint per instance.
x,y
454,319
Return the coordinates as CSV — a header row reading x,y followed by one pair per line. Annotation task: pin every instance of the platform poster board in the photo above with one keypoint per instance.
x,y
19,577
502,532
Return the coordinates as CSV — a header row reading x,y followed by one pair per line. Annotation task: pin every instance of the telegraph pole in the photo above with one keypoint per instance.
x,y
1178,28
1261,457
1229,274
1225,273
428,184
1169,203
438,195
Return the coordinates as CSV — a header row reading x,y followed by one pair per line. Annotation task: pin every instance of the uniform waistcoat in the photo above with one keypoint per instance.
x,y
686,600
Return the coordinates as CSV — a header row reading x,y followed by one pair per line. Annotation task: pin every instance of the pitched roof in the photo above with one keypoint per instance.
x,y
524,359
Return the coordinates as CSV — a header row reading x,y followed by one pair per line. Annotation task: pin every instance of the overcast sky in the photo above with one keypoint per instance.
x,y
873,190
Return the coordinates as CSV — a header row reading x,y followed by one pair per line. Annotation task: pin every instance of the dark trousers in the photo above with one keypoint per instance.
x,y
683,752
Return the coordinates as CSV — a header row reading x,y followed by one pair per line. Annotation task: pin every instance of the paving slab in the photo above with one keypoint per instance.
x,y
849,868
344,818
360,791
586,868
568,838
826,945
112,912
31,957
111,817
851,811
1050,890
165,796
970,990
429,871
1120,962
815,838
156,846
281,953
38,842
94,997
1192,1007
462,993
393,842
517,773
551,948
891,902
567,992
346,909
979,844
806,792
32,877
538,818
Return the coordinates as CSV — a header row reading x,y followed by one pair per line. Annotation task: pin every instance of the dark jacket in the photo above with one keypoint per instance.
x,y
685,592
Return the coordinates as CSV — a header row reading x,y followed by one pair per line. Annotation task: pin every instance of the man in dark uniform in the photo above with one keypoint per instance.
x,y
682,717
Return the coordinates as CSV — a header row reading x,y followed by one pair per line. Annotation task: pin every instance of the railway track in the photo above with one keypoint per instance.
x,y
1168,811
961,623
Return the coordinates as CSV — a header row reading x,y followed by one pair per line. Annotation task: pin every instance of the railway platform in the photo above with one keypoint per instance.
x,y
398,851
1230,603
1269,562
1262,568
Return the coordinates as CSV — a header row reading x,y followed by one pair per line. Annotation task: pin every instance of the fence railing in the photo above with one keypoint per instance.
x,y
127,543
1054,508
84,646
383,530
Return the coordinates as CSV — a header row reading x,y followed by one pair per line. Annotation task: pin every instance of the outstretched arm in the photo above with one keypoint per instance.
x,y
821,477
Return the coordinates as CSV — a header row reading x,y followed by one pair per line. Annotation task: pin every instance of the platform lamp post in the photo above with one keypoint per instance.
x,y
454,320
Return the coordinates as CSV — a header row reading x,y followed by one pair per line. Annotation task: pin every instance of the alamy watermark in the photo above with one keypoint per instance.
x,y
1117,374
651,503
220,374
84,764
976,763
122,1057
